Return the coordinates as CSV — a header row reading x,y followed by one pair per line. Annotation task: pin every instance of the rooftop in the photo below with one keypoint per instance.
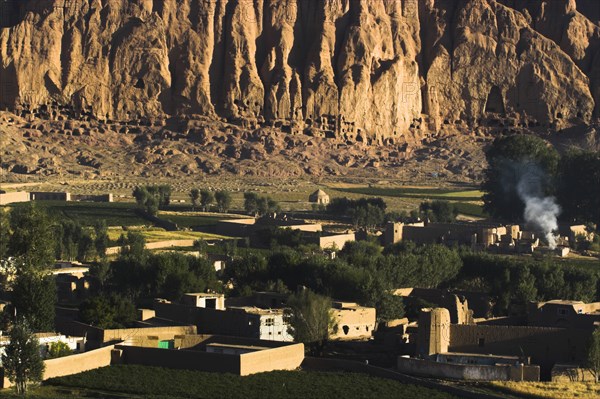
x,y
257,311
203,294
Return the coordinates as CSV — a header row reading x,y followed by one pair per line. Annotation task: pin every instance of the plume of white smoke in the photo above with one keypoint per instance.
x,y
541,212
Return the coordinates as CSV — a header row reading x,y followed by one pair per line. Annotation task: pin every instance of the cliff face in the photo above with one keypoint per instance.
x,y
361,70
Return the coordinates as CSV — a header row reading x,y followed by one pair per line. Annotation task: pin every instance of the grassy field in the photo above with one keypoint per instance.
x,y
192,219
550,390
417,192
153,382
87,213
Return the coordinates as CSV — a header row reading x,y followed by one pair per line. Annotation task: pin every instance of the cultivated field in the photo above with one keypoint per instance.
x,y
551,390
153,382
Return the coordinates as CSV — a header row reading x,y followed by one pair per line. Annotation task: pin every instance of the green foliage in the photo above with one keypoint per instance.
x,y
223,199
32,237
439,211
167,275
509,159
389,307
101,238
593,357
88,213
195,197
152,198
426,266
34,297
112,311
21,359
4,233
515,281
579,186
248,273
309,317
260,205
206,199
133,245
368,216
149,382
99,273
345,206
273,237
365,212
58,349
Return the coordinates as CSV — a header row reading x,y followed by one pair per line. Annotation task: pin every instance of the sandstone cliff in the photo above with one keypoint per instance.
x,y
379,71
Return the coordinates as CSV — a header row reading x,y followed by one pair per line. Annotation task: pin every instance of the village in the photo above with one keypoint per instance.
x,y
449,333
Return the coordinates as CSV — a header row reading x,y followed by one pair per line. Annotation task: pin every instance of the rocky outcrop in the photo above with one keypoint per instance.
x,y
377,71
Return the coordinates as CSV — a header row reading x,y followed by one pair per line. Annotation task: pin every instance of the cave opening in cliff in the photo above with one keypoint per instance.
x,y
495,102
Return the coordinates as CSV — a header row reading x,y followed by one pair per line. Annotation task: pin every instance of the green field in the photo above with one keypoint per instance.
x,y
192,219
87,213
128,381
470,209
416,192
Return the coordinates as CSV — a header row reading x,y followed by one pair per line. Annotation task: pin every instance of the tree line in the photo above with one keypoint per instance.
x,y
518,160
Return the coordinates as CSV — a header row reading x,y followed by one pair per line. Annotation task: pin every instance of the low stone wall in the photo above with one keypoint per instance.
x,y
10,198
273,356
336,241
180,359
328,364
287,357
74,364
469,372
170,244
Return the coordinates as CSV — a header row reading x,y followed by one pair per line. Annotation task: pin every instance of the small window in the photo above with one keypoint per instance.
x,y
580,311
279,333
562,312
481,342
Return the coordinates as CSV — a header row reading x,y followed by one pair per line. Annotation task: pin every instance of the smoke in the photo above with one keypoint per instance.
x,y
541,212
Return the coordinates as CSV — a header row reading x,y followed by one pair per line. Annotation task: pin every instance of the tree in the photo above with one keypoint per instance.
x,y
259,205
69,235
309,318
101,238
251,203
21,360
152,198
133,245
4,234
516,163
111,311
206,198
368,216
32,236
579,186
439,211
85,246
223,199
593,358
34,298
389,307
100,272
58,349
195,197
